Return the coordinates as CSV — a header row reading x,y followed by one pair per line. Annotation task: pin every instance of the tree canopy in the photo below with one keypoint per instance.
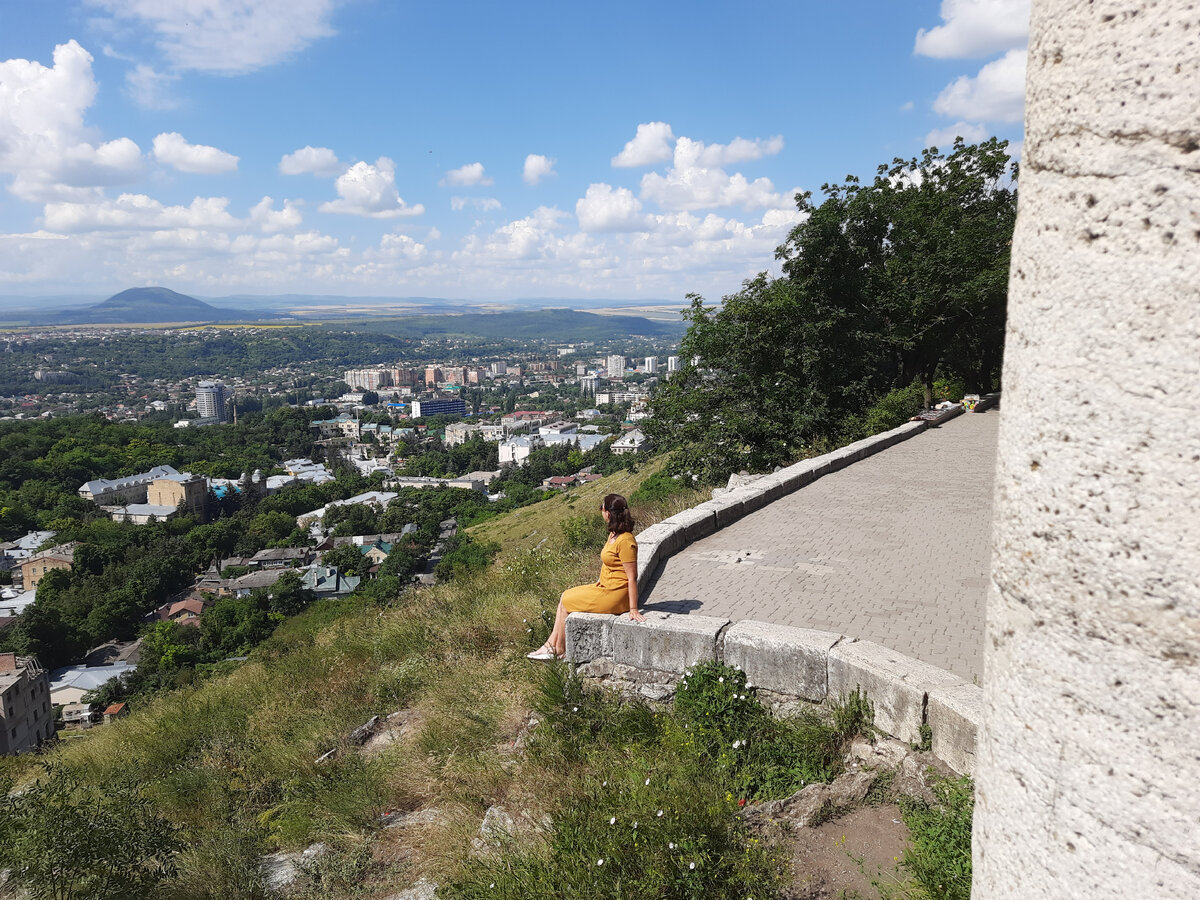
x,y
899,281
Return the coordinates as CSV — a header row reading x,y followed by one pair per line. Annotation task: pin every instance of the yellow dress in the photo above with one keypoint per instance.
x,y
611,595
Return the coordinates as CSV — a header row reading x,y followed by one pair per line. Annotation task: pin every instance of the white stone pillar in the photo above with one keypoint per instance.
x,y
1089,767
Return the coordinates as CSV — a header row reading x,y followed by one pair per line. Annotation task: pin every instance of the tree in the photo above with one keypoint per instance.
x,y
884,284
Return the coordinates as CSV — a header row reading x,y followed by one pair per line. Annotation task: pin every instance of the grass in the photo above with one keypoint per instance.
x,y
232,762
938,860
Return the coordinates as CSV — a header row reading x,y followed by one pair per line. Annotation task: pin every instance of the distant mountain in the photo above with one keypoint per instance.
x,y
147,304
545,324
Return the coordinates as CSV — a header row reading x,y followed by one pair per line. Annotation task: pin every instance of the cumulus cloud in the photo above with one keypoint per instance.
x,y
44,143
308,160
943,138
466,176
131,212
172,149
536,236
605,208
538,167
151,89
651,145
996,94
483,204
401,246
976,28
271,220
226,36
695,181
370,190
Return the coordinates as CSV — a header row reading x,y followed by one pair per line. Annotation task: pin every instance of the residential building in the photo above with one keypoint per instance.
x,y
651,365
70,683
35,568
616,367
515,451
421,408
281,558
13,553
588,384
632,442
130,489
173,491
378,499
210,401
672,364
327,581
498,368
367,379
558,429
26,714
433,376
424,481
460,432
344,425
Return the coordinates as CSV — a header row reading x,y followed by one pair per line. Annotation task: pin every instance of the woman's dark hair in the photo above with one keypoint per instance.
x,y
619,517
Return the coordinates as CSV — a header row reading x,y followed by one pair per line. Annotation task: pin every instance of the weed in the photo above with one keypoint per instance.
x,y
925,733
938,861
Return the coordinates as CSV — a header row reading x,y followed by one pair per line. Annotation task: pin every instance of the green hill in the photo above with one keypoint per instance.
x,y
146,304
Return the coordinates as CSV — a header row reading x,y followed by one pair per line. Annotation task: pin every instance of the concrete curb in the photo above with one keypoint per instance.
x,y
817,666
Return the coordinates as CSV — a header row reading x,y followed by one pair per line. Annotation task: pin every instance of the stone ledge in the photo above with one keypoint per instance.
x,y
896,684
665,642
779,658
954,712
695,523
589,636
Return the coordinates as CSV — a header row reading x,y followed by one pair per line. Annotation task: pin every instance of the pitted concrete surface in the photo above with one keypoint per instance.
x,y
894,549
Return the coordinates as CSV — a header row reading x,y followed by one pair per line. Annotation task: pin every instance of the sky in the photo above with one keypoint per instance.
x,y
478,151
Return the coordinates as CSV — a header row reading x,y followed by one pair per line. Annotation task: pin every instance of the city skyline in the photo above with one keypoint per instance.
x,y
376,149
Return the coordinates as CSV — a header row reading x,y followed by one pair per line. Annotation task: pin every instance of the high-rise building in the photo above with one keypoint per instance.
x,y
588,384
210,400
616,367
26,713
499,368
672,364
651,364
367,379
421,408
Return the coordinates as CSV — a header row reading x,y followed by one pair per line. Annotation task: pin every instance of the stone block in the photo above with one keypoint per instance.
x,y
779,658
897,685
756,496
695,523
589,636
955,713
649,556
669,536
729,507
666,642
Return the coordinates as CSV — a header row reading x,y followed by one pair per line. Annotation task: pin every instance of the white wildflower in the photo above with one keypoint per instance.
x,y
659,813
612,821
647,781
574,709
691,865
721,680
635,826
670,846
599,862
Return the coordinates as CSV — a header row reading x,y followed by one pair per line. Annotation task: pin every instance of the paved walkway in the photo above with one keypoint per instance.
x,y
894,549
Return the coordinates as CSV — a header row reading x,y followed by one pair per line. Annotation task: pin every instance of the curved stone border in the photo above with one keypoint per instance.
x,y
796,662
668,537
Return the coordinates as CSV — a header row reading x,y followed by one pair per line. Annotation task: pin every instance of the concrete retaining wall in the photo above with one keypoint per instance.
x,y
668,537
796,662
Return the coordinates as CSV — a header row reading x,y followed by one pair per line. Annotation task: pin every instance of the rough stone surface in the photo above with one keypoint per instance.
x,y
657,692
954,712
431,815
816,802
589,636
424,889
1089,777
497,824
665,642
363,732
281,870
893,549
696,523
780,658
896,684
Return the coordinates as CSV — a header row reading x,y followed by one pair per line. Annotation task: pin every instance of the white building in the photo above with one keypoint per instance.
x,y
616,367
630,443
588,384
558,429
367,379
378,499
210,401
651,365
516,450
70,683
672,364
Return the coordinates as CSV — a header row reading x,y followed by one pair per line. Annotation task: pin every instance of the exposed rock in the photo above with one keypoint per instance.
x,y
521,741
657,692
424,889
363,732
596,668
280,870
815,803
394,727
497,824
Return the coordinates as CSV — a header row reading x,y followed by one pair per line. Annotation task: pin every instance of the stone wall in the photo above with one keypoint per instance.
x,y
791,662
1089,768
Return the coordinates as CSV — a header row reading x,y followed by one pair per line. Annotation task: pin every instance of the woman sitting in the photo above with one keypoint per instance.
x,y
616,589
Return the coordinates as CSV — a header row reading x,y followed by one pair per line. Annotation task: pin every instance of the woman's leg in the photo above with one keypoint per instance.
x,y
558,635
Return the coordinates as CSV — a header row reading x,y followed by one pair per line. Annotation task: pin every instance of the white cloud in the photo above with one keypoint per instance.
x,y
538,167
906,107
996,94
131,212
151,89
976,28
604,208
483,204
651,144
370,190
227,36
401,246
736,151
534,237
466,176
943,138
271,220
694,182
172,149
44,143
311,161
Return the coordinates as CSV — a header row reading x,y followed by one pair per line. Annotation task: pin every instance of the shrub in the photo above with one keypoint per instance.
x,y
586,532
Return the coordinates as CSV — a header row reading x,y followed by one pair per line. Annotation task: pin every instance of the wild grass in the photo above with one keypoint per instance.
x,y
938,859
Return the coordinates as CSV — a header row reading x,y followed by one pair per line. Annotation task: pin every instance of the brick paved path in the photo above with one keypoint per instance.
x,y
894,549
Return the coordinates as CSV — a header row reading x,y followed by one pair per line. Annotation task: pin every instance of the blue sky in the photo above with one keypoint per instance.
x,y
469,150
